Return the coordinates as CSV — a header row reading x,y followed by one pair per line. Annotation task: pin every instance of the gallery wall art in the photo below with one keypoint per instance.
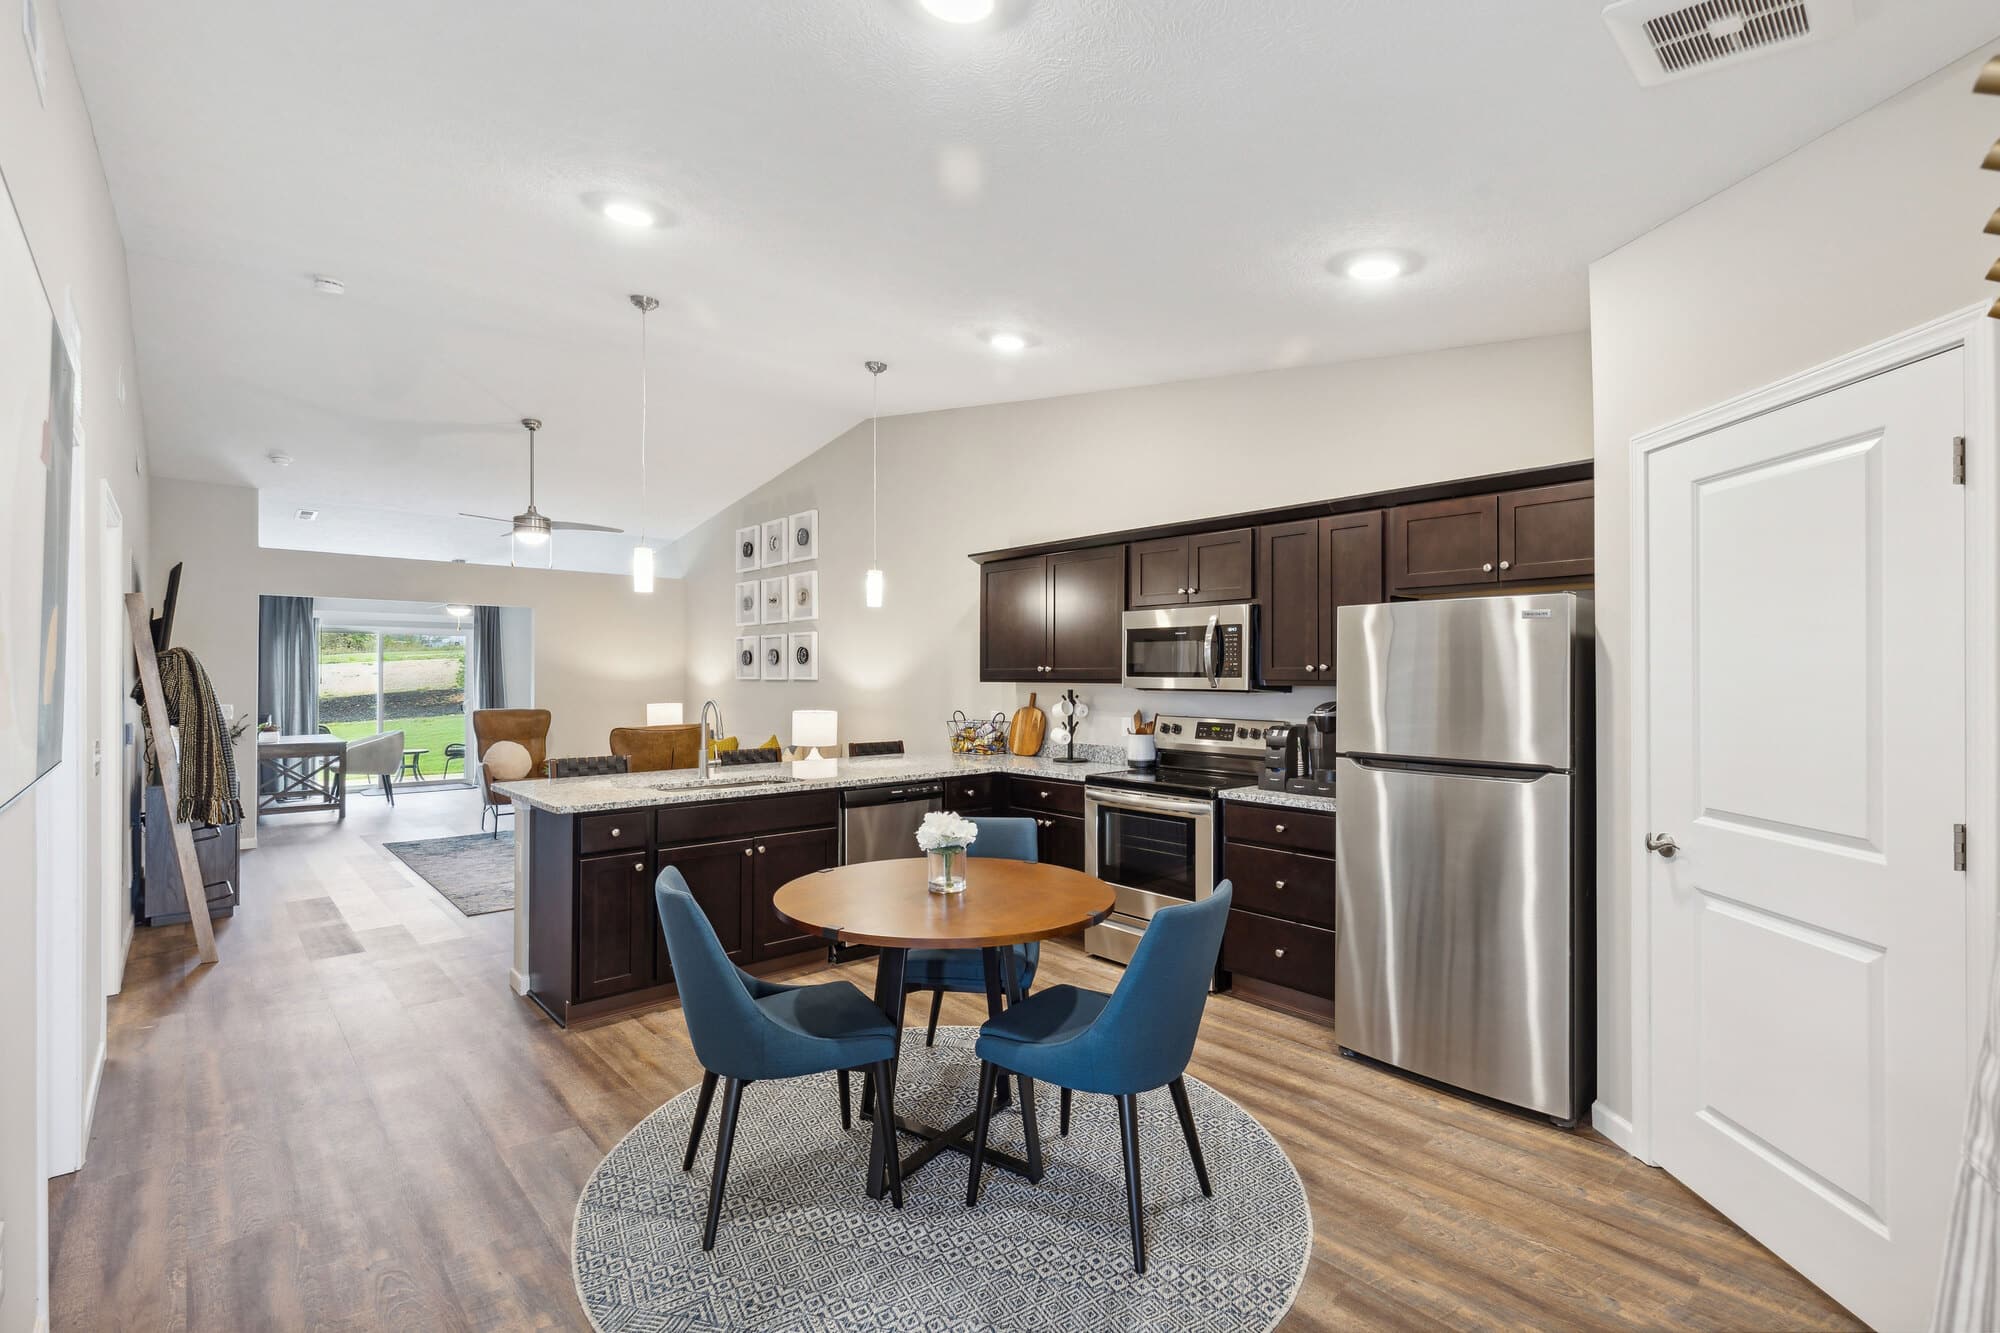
x,y
777,598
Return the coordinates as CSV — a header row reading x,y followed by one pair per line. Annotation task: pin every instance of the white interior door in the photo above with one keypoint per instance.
x,y
1805,600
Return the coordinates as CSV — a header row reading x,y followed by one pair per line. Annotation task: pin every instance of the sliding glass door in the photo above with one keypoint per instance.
x,y
374,680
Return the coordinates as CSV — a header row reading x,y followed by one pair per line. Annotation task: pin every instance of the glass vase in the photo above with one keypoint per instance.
x,y
947,869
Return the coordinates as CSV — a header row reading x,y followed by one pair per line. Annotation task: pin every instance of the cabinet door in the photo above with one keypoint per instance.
x,y
1350,574
779,860
1087,615
1158,573
1444,544
1014,619
1288,632
1059,840
1220,566
1548,533
718,875
614,930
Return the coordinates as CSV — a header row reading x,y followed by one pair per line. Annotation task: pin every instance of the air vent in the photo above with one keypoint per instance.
x,y
1665,40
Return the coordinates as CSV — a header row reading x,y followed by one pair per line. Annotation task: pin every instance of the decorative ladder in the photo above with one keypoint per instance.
x,y
192,887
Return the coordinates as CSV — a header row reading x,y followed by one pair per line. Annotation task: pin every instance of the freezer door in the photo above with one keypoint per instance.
x,y
1454,955
1470,679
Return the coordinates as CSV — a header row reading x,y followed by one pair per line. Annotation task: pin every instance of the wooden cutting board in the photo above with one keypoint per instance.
x,y
1025,735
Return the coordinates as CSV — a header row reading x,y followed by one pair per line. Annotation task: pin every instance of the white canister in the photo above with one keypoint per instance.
x,y
1141,749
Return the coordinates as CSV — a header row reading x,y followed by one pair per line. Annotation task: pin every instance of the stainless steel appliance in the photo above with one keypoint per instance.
x,y
1463,885
880,823
1192,648
1154,835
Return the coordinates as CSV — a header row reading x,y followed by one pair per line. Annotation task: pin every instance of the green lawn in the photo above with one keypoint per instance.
x,y
396,655
429,733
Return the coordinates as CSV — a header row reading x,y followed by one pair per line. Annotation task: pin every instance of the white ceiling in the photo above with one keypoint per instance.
x,y
1150,188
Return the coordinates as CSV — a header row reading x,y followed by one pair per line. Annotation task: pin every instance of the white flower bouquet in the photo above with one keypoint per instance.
x,y
944,837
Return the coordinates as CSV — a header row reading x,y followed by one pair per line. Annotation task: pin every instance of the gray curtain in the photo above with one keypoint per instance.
x,y
490,688
287,664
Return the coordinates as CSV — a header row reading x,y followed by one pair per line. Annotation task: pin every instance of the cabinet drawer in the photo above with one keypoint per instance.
x,y
1283,953
1052,795
1283,884
621,830
714,820
1277,826
975,795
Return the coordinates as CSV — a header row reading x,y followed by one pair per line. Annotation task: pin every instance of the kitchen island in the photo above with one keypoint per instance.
x,y
587,851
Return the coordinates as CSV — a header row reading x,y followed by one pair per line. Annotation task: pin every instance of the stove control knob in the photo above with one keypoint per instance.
x,y
1256,734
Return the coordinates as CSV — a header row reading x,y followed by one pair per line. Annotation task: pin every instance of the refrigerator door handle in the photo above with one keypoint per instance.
x,y
1385,764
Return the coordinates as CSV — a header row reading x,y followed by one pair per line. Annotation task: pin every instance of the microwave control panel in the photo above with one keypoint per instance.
x,y
1229,651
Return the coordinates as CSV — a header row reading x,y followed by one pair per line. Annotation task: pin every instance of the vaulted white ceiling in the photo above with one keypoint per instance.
x,y
1150,188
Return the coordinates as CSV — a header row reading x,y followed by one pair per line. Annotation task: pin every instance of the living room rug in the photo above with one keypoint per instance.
x,y
474,871
801,1246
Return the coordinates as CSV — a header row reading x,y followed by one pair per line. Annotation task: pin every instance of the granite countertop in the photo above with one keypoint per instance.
x,y
1290,800
623,791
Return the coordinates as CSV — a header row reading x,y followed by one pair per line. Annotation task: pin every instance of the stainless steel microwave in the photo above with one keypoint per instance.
x,y
1192,648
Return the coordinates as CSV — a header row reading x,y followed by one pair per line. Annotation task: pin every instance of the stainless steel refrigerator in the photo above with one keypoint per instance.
x,y
1463,863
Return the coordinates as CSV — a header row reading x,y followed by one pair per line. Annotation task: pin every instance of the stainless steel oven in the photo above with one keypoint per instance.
x,y
1192,648
1154,850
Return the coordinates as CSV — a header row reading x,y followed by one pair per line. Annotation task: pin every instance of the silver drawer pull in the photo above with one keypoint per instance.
x,y
615,832
1277,953
1045,796
1279,884
1279,827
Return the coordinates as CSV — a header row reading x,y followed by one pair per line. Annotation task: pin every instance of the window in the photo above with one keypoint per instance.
x,y
389,680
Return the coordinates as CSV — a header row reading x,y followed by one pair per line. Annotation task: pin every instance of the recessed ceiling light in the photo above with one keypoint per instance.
x,y
308,515
628,214
1374,268
1007,344
959,11
326,286
278,459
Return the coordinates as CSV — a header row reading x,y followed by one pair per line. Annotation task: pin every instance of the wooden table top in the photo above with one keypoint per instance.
x,y
888,904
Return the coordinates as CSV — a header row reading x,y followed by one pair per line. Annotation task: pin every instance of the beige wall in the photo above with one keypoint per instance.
x,y
981,478
1867,231
49,159
601,651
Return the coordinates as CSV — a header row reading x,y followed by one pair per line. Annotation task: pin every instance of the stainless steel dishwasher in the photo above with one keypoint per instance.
x,y
880,823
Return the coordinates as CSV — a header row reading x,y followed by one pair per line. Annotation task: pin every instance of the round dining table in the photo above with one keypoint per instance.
x,y
889,905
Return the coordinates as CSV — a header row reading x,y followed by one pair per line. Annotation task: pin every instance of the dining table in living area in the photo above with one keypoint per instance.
x,y
310,774
889,905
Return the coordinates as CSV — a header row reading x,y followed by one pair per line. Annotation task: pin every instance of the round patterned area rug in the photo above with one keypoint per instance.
x,y
801,1245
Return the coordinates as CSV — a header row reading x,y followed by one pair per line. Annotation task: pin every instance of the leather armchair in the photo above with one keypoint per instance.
x,y
526,727
656,749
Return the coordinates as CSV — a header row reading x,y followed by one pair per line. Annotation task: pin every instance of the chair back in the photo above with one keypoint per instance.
x,y
724,1023
380,753
863,749
526,727
763,754
658,749
1007,838
588,766
1155,1013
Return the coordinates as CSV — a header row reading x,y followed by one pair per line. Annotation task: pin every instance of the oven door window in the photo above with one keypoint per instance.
x,y
1164,653
1150,852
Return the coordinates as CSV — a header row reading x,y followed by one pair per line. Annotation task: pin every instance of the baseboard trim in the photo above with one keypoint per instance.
x,y
90,1097
246,835
519,982
1619,1129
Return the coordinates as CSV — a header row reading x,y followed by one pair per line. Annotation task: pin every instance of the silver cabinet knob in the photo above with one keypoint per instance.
x,y
1277,953
1182,591
1193,591
749,851
640,867
968,791
1663,844
615,832
1278,884
1045,796
760,849
1322,666
1488,566
1506,564
1279,827
1309,666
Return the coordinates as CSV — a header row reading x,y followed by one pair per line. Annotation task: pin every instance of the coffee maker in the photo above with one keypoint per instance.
x,y
1320,726
1287,756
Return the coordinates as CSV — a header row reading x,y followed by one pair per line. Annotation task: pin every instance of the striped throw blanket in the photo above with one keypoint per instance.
x,y
208,761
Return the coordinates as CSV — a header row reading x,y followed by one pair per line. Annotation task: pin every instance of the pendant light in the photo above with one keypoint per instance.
x,y
872,587
642,554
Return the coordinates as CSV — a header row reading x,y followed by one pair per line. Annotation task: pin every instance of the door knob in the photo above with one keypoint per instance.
x,y
1663,844
1488,566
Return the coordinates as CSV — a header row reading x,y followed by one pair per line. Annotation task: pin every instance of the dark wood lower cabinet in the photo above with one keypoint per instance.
x,y
614,929
715,873
780,859
1279,944
1284,953
1061,840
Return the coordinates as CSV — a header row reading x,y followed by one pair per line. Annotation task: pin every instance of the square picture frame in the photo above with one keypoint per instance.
x,y
772,657
804,529
777,542
749,542
802,655
802,602
746,658
773,600
749,603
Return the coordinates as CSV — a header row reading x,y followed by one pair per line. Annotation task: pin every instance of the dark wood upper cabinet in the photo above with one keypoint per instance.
x,y
614,934
1087,615
1548,533
1014,619
1180,571
1288,624
1444,544
1351,574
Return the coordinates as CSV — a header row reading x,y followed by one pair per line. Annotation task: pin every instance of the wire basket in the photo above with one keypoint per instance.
x,y
971,736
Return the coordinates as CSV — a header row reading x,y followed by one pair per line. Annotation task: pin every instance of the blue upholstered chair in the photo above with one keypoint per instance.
x,y
1133,1040
964,970
744,1028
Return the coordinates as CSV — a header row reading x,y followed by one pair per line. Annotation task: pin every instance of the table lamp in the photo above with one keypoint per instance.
x,y
663,715
814,727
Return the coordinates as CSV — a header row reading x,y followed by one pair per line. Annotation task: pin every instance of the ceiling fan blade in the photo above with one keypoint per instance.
x,y
582,527
487,517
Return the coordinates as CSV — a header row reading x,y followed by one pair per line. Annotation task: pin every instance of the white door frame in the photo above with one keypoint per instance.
x,y
1980,337
111,754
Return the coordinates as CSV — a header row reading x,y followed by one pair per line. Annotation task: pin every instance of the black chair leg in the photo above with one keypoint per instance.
x,y
1031,1129
1181,1108
885,1129
700,1118
1128,1130
937,1004
1065,1112
732,1099
989,1074
846,1107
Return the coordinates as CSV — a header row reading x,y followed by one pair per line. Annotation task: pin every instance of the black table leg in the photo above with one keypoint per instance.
x,y
889,970
995,1003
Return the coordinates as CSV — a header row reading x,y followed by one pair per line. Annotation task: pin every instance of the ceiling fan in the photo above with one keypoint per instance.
x,y
532,527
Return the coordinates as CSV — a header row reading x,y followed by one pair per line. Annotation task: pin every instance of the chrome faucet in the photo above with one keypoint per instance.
x,y
706,735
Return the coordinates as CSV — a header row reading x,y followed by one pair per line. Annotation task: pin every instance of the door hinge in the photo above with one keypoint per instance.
x,y
1958,846
1958,460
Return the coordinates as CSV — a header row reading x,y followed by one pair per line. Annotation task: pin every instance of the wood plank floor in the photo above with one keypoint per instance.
x,y
352,1122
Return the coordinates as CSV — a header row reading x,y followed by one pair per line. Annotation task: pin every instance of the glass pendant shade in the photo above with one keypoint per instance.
x,y
642,569
874,588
